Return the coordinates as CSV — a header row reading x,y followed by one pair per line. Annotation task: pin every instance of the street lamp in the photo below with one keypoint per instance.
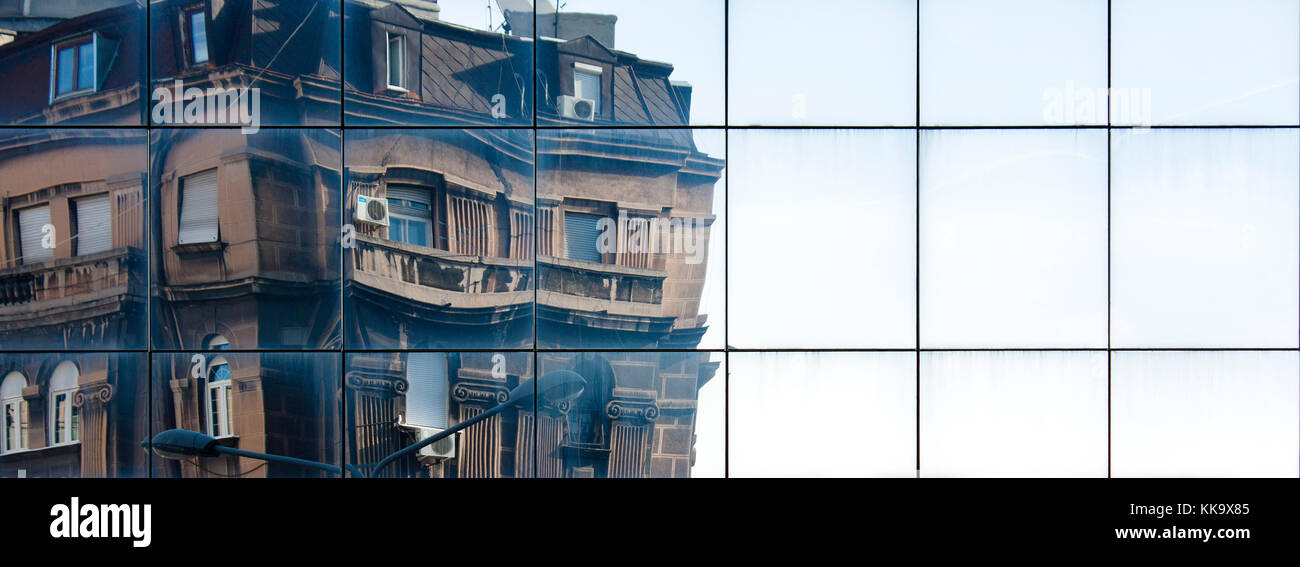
x,y
184,444
552,387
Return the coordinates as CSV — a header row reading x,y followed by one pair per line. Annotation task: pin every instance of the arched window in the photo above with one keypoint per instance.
x,y
216,399
216,342
14,436
65,418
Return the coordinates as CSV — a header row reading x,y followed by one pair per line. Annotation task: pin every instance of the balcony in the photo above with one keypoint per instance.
x,y
436,278
68,290
602,296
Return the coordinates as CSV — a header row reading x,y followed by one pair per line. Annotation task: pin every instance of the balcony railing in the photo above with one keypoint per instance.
x,y
588,286
439,277
70,282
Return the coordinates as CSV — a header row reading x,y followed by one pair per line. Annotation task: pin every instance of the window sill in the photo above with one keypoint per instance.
x,y
199,248
396,90
74,94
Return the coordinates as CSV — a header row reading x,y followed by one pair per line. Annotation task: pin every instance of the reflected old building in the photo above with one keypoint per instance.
x,y
279,403
72,62
72,279
455,249
246,239
288,49
73,415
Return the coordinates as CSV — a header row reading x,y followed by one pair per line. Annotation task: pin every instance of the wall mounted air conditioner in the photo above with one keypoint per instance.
x,y
373,210
577,108
444,449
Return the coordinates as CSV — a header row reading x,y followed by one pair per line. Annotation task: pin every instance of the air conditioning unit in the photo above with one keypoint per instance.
x,y
373,210
577,108
444,449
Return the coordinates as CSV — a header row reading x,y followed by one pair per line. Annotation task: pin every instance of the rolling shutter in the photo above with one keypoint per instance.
x,y
199,208
421,196
30,222
426,400
580,235
94,225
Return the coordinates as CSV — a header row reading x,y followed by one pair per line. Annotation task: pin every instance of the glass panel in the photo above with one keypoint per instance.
x,y
686,35
396,62
1203,238
297,43
67,70
1013,62
446,74
652,203
116,404
44,297
285,404
795,414
86,66
836,62
279,225
587,85
1205,414
60,418
1208,62
47,67
825,239
395,399
199,36
1013,414
472,284
1013,238
639,415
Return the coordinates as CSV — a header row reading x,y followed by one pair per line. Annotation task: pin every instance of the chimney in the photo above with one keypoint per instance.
x,y
557,24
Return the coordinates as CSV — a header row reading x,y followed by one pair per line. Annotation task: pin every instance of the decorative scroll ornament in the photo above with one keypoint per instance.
x,y
382,384
99,391
646,410
479,393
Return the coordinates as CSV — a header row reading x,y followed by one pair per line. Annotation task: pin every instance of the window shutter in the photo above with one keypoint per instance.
x,y
580,235
409,194
30,222
94,225
426,400
199,208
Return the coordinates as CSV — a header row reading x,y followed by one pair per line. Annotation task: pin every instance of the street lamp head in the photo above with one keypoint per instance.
x,y
552,387
183,444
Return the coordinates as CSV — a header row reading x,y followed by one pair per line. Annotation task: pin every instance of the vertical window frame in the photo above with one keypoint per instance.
x,y
188,48
390,37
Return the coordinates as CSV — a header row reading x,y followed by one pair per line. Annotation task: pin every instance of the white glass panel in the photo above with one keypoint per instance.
x,y
823,239
1204,238
822,414
837,62
1013,238
1211,414
1006,62
1209,61
1014,414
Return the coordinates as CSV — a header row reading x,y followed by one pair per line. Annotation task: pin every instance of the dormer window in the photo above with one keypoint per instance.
x,y
586,83
196,35
396,63
74,68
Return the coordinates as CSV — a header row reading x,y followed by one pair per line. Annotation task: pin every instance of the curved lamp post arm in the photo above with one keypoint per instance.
x,y
283,459
436,438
